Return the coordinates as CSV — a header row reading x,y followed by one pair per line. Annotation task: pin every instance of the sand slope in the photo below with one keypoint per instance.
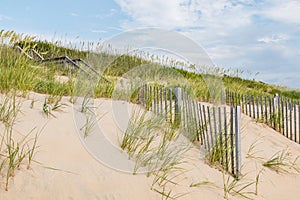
x,y
66,170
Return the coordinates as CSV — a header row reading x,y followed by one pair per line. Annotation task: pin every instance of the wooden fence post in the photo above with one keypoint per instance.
x,y
286,120
291,123
253,103
274,112
295,124
261,108
246,104
270,111
232,139
299,123
238,140
282,117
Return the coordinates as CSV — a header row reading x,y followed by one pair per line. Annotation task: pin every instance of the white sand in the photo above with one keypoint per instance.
x,y
80,175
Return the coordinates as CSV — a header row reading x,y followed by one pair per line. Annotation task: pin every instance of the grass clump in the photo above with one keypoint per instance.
x,y
14,151
151,142
281,162
252,153
87,108
52,104
9,108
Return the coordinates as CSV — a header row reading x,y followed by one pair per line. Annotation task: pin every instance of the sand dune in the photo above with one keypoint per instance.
x,y
68,169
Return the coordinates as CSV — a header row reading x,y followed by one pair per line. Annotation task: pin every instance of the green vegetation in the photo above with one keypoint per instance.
x,y
20,73
49,50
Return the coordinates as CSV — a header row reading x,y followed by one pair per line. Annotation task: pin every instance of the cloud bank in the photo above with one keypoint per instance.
x,y
257,35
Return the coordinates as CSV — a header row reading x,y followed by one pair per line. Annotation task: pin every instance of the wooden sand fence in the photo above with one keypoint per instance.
x,y
280,113
215,128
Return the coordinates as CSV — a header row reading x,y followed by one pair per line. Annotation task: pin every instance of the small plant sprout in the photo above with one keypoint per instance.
x,y
32,150
89,125
86,105
203,183
32,103
238,187
251,151
47,107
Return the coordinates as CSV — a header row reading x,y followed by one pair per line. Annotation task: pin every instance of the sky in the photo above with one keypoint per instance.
x,y
259,36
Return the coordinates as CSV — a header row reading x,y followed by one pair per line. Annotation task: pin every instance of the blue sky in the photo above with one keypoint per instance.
x,y
256,35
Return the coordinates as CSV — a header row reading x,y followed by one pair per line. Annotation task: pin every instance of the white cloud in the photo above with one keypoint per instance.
x,y
104,14
273,39
287,12
73,14
3,17
157,13
113,11
98,31
173,14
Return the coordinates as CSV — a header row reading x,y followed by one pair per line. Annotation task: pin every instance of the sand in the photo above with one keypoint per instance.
x,y
67,167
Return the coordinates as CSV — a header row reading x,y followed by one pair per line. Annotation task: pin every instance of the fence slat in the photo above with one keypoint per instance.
x,y
206,129
226,139
220,132
166,103
253,108
257,108
201,127
282,117
215,126
210,127
196,119
266,110
178,102
171,105
249,101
